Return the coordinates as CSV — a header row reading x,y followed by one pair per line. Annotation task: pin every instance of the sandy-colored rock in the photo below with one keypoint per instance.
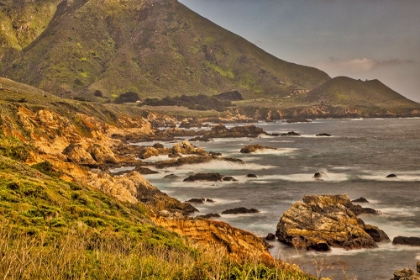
x,y
323,221
76,153
236,242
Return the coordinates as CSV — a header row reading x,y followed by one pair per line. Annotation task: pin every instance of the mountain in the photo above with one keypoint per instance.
x,y
151,47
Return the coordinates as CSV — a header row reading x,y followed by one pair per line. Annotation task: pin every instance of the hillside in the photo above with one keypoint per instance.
x,y
347,91
65,216
151,47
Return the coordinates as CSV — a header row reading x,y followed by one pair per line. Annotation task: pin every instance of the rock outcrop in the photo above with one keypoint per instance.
x,y
220,131
254,148
241,210
324,221
290,133
238,243
403,240
213,177
406,274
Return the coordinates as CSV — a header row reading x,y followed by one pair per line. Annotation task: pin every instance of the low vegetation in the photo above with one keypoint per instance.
x,y
199,102
55,229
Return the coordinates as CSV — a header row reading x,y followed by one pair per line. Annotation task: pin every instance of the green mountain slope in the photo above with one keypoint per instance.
x,y
22,22
347,91
155,48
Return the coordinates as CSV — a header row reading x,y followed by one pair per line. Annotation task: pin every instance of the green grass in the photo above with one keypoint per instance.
x,y
53,229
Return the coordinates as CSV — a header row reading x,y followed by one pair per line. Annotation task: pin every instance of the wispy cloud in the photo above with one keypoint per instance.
x,y
361,64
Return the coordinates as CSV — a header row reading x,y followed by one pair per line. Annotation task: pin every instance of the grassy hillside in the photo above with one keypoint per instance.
x,y
56,228
347,91
22,22
154,48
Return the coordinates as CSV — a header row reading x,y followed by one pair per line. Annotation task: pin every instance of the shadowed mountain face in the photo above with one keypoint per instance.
x,y
151,47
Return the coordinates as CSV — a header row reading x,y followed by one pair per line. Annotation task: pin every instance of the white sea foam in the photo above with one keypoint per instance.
x,y
400,177
399,211
280,151
307,177
156,158
222,165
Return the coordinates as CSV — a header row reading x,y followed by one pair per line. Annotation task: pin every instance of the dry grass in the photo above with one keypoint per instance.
x,y
80,255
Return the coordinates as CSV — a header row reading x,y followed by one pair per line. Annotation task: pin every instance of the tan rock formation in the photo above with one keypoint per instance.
x,y
319,222
238,243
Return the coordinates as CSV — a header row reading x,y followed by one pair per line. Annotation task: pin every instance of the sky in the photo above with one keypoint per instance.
x,y
362,39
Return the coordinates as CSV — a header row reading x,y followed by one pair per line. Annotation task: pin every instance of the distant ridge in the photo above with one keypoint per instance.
x,y
348,91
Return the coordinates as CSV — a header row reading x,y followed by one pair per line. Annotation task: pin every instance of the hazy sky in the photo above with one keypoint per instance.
x,y
363,39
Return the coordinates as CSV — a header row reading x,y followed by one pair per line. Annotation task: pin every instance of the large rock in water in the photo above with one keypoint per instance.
x,y
323,221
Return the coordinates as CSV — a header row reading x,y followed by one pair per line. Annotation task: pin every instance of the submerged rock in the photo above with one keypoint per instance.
x,y
250,175
391,176
241,210
323,134
229,179
403,240
323,221
360,200
196,200
290,133
270,237
253,148
204,177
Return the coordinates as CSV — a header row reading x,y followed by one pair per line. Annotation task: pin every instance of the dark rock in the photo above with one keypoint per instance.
x,y
174,155
215,154
270,237
208,216
418,267
290,133
377,234
210,200
170,176
391,176
229,179
254,148
196,200
358,210
323,134
158,146
204,177
360,200
241,210
317,175
250,175
298,121
145,170
321,246
403,240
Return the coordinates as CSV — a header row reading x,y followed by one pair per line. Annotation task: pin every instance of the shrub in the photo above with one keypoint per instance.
x,y
127,97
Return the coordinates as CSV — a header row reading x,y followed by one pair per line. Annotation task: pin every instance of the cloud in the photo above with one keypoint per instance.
x,y
361,64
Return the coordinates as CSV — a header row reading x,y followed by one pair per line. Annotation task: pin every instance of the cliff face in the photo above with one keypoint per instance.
x,y
238,243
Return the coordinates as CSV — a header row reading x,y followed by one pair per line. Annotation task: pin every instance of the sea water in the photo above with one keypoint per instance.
x,y
355,160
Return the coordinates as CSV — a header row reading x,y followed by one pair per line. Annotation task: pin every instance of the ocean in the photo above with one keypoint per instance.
x,y
355,160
